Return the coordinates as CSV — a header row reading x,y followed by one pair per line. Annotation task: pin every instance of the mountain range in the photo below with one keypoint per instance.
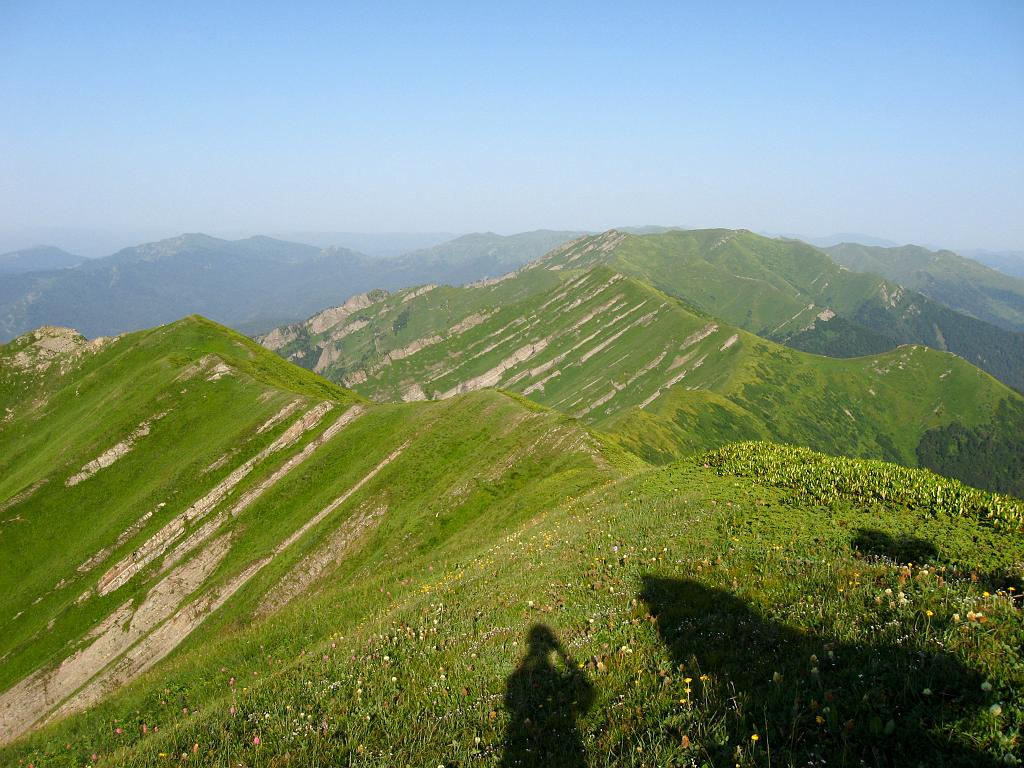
x,y
961,284
257,283
599,330
548,516
252,284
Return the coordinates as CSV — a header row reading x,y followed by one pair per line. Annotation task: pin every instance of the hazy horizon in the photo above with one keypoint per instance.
x,y
902,124
96,244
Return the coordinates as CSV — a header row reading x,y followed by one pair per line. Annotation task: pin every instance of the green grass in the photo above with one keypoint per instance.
x,y
826,479
472,467
776,288
691,612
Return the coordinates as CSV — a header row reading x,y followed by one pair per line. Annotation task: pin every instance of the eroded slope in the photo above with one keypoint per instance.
x,y
185,473
663,378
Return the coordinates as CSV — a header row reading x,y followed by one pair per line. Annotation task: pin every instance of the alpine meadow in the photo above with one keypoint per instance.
x,y
435,385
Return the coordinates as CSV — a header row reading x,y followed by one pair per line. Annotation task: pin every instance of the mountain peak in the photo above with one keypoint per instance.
x,y
37,258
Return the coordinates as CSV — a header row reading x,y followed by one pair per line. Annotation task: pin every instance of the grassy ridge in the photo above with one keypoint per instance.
x,y
961,284
680,613
472,467
393,322
481,581
662,379
780,288
825,479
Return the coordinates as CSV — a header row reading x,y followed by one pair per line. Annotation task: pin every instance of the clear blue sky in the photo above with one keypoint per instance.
x,y
902,120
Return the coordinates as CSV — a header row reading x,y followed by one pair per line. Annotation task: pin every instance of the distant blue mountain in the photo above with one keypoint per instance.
x,y
37,259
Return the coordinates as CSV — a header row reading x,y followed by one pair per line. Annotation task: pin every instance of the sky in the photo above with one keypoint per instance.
x,y
900,120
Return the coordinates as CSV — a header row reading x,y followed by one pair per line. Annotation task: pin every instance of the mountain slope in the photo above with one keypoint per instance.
x,y
209,555
207,475
671,616
38,259
664,379
793,293
961,284
258,280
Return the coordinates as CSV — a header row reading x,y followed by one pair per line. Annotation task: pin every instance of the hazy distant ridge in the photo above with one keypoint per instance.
x,y
253,284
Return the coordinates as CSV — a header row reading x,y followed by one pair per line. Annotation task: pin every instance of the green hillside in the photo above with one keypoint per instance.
x,y
663,379
961,284
151,479
214,557
791,292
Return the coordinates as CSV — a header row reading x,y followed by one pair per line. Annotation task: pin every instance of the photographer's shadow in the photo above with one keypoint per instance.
x,y
544,701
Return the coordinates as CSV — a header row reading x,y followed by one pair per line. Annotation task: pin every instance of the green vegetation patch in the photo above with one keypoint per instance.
x,y
826,479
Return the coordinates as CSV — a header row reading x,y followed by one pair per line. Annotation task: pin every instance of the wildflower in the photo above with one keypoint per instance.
x,y
929,614
754,738
995,710
986,686
119,731
927,692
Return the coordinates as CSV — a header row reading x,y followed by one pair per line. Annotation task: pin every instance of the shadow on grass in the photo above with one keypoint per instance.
x,y
870,542
905,549
545,699
810,700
